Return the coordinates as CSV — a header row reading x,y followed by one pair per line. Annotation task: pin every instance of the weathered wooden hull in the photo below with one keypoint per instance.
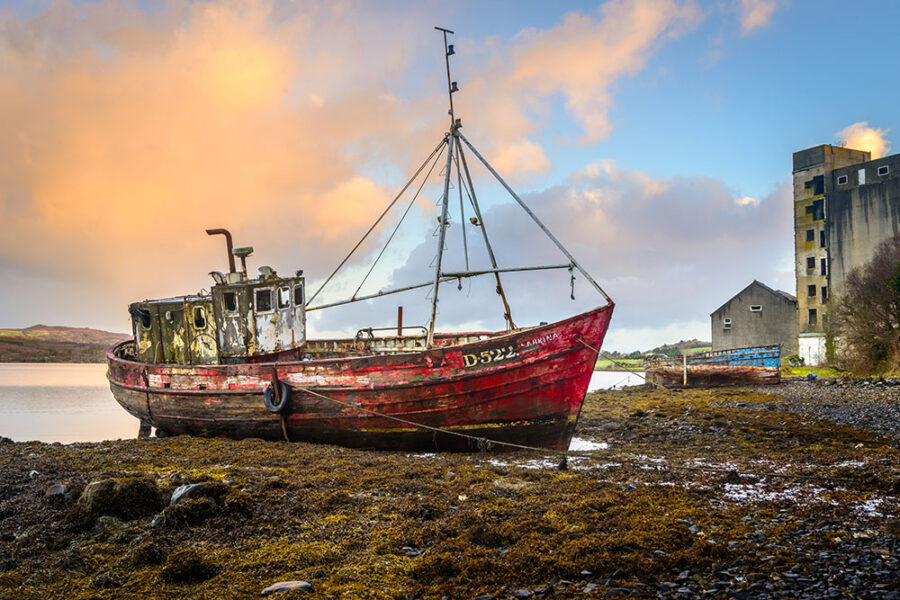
x,y
714,375
525,387
741,366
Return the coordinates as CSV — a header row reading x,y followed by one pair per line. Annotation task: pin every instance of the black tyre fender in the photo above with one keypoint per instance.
x,y
273,405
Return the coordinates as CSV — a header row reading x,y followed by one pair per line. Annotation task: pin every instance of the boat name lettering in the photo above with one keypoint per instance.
x,y
490,355
543,339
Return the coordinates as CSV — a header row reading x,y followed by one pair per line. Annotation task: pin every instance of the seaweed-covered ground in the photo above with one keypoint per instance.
x,y
716,494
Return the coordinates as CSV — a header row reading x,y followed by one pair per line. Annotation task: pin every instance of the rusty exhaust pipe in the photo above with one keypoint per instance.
x,y
399,321
227,235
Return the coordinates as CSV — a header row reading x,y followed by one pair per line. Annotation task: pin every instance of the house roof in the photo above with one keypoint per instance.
x,y
777,293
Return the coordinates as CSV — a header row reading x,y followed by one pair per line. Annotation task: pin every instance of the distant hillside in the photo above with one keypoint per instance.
x,y
682,347
44,343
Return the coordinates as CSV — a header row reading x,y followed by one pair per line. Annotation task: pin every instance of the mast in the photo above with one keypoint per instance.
x,y
451,85
455,141
445,199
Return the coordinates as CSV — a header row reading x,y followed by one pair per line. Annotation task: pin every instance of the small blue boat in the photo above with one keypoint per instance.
x,y
738,366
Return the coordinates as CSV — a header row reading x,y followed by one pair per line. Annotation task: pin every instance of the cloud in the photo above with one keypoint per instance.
x,y
755,14
128,133
580,59
667,250
860,136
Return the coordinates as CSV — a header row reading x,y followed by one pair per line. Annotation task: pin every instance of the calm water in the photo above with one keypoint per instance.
x,y
72,402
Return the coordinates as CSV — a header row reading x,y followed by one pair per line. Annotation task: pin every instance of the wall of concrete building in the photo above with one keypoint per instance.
x,y
813,181
775,323
860,216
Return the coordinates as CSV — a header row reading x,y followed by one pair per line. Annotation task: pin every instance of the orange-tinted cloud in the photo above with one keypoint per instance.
x,y
128,132
128,139
755,14
862,137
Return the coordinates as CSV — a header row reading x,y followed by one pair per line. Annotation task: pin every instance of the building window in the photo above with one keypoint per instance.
x,y
823,263
726,324
755,308
816,209
824,294
862,176
810,262
810,235
811,291
264,300
883,170
813,317
822,239
842,179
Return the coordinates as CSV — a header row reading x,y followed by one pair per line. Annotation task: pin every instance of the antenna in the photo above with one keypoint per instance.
x,y
451,85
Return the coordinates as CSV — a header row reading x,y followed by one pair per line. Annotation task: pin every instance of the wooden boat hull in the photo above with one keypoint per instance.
x,y
741,366
524,387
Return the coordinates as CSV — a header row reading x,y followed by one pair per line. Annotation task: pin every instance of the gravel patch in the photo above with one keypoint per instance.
x,y
870,406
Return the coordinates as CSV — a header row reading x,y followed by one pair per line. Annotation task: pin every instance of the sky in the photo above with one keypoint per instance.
x,y
653,137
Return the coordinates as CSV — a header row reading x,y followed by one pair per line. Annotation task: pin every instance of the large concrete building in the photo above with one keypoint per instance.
x,y
845,205
756,316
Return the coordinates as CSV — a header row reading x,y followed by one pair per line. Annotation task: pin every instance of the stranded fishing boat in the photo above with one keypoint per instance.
x,y
740,366
236,362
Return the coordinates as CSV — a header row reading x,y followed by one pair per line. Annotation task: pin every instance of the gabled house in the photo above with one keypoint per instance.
x,y
756,316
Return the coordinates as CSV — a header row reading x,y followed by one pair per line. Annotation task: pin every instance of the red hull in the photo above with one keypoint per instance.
x,y
524,387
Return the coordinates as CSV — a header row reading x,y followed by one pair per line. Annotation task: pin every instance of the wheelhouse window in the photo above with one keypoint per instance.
x,y
230,299
263,300
284,297
298,295
199,317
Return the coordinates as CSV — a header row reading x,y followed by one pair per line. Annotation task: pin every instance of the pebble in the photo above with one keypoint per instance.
x,y
188,490
523,593
283,586
57,489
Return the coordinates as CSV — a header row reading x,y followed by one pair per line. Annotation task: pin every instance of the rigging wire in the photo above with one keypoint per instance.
x,y
377,221
462,214
400,222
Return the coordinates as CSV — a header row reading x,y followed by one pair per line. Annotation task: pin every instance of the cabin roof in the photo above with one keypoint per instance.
x,y
176,299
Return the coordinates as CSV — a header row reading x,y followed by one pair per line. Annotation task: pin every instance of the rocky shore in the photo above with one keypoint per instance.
x,y
773,493
872,405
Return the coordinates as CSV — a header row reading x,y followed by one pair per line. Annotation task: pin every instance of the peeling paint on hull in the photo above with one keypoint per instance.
x,y
524,387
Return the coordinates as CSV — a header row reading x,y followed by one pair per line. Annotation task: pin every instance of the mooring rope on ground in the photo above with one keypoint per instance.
x,y
484,444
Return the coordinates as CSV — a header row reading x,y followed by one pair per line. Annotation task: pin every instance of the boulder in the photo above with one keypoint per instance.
x,y
126,498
